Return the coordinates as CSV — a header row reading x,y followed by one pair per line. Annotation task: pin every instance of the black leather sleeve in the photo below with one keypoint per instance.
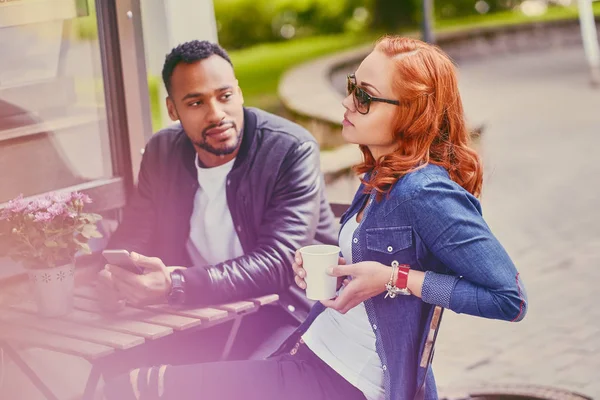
x,y
135,232
289,222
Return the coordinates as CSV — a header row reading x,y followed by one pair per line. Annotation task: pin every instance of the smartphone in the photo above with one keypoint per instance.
x,y
121,259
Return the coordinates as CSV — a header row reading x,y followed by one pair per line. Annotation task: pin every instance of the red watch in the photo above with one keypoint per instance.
x,y
402,280
400,286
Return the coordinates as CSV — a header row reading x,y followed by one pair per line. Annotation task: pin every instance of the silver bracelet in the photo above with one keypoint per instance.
x,y
391,285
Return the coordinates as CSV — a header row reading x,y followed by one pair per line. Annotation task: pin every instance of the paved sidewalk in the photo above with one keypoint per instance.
x,y
541,199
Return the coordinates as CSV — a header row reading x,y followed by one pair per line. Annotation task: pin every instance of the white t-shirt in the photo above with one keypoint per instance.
x,y
213,238
346,342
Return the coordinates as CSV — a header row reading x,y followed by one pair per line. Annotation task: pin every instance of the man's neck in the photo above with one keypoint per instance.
x,y
209,160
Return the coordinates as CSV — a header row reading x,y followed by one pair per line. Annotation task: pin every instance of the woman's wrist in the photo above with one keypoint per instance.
x,y
415,282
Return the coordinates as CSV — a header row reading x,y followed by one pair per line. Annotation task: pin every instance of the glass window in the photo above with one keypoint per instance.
x,y
53,118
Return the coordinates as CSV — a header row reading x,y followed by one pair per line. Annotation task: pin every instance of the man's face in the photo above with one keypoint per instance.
x,y
206,98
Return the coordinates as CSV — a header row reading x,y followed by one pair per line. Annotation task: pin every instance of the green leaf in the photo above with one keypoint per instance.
x,y
88,231
85,248
96,234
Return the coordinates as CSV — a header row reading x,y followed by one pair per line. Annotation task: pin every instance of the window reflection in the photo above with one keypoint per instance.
x,y
53,130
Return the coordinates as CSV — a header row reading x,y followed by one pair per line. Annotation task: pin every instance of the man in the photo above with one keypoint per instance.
x,y
230,192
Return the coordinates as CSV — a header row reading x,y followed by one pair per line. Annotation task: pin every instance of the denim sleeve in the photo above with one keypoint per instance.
x,y
487,284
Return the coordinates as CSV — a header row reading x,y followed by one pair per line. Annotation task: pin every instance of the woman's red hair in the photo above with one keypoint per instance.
x,y
430,126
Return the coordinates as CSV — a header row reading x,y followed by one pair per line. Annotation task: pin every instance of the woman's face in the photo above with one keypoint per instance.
x,y
373,129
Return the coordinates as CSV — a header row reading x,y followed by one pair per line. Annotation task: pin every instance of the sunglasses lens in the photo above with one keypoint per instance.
x,y
362,100
349,87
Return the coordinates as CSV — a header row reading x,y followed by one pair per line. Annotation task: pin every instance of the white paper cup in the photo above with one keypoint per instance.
x,y
316,259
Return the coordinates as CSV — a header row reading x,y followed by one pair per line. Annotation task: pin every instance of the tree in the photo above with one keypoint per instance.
x,y
390,15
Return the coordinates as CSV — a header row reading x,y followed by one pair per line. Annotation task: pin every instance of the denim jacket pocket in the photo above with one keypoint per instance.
x,y
389,240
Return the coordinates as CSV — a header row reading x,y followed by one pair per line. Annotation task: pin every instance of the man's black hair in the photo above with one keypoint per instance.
x,y
190,52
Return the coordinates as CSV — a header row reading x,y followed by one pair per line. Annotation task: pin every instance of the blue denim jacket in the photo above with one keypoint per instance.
x,y
433,224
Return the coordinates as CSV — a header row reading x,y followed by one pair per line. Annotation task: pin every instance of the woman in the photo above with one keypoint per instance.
x,y
413,238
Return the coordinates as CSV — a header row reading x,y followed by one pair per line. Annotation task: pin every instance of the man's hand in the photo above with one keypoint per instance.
x,y
110,299
150,288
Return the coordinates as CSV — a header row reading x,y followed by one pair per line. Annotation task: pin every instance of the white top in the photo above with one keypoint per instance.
x,y
213,238
346,342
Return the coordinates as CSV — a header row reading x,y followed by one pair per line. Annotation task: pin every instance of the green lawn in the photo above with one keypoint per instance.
x,y
260,67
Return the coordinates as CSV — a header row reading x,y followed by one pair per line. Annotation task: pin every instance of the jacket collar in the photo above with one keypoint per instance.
x,y
248,135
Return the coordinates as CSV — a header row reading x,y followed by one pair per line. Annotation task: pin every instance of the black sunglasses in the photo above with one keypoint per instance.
x,y
362,99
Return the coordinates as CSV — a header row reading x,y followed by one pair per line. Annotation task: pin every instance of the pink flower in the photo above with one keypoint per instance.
x,y
80,196
5,215
39,204
57,209
16,205
59,197
42,217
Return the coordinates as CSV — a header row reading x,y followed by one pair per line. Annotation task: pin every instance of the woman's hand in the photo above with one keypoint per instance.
x,y
300,273
368,280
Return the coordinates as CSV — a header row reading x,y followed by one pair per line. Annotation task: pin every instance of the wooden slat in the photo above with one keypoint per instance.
x,y
50,341
175,322
207,314
263,300
143,329
87,333
237,307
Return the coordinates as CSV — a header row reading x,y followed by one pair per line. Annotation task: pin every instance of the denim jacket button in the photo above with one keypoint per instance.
x,y
384,367
374,327
390,249
395,263
355,240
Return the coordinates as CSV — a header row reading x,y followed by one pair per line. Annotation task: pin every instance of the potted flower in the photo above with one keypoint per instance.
x,y
44,235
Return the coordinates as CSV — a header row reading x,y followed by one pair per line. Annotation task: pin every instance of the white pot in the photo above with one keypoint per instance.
x,y
52,289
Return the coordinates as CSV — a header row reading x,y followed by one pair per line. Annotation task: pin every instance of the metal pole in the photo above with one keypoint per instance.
x,y
427,33
589,36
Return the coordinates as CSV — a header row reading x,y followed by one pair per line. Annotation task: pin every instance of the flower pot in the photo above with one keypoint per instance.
x,y
52,289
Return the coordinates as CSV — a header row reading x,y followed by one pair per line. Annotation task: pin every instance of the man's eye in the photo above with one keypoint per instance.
x,y
196,103
227,96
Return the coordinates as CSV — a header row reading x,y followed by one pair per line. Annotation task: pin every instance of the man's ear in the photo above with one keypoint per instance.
x,y
171,109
